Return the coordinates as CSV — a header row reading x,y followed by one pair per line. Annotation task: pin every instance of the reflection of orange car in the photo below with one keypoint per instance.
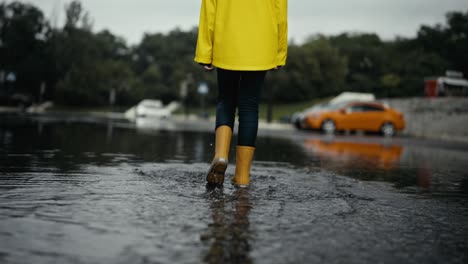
x,y
367,116
357,154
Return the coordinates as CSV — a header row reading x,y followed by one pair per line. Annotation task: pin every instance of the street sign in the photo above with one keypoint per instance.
x,y
11,77
183,89
203,88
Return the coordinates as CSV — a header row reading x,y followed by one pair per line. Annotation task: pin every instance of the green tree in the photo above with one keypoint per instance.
x,y
89,67
366,59
82,67
449,41
408,61
23,35
315,69
172,55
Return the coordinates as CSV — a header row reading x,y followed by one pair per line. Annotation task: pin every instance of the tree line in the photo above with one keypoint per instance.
x,y
79,67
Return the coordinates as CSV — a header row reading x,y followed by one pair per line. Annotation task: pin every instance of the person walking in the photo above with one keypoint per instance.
x,y
243,39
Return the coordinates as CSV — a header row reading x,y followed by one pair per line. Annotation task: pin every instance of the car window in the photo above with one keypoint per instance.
x,y
355,108
372,108
334,106
152,106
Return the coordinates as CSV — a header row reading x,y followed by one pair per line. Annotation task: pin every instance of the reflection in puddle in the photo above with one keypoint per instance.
x,y
370,155
229,235
147,123
29,144
435,171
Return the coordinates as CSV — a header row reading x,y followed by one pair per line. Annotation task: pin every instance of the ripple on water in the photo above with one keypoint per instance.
x,y
161,212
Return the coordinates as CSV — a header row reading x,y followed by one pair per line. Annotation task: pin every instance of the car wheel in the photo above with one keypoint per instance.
x,y
297,124
328,126
387,129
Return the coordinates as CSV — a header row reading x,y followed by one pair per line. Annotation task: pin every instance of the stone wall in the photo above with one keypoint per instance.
x,y
436,118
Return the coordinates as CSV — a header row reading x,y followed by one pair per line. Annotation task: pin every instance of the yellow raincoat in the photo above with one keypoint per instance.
x,y
250,35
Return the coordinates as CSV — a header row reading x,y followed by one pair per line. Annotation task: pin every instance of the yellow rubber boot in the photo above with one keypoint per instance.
x,y
244,156
220,161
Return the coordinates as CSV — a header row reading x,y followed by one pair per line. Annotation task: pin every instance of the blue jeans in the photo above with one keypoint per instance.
x,y
241,90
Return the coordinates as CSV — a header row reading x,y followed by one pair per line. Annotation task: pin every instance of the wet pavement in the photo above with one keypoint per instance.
x,y
87,190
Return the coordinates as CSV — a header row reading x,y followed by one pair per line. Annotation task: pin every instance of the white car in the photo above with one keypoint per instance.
x,y
152,109
298,117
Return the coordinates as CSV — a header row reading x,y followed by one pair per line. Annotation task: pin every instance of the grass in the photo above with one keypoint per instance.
x,y
279,111
61,108
282,111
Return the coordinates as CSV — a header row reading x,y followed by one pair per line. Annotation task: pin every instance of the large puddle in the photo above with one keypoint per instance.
x,y
103,191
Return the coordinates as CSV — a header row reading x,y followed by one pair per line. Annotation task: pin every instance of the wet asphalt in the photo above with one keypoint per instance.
x,y
105,191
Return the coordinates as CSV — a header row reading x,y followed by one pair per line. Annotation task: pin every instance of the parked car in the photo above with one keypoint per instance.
x,y
15,99
365,116
149,108
298,118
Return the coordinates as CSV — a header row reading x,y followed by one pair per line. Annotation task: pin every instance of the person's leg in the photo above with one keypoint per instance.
x,y
228,83
247,100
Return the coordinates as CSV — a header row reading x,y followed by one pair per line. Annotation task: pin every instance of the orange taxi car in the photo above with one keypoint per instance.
x,y
365,116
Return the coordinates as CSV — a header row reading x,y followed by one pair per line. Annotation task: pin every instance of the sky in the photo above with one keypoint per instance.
x,y
130,19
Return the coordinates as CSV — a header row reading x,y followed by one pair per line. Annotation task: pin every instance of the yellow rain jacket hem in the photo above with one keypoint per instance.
x,y
244,67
